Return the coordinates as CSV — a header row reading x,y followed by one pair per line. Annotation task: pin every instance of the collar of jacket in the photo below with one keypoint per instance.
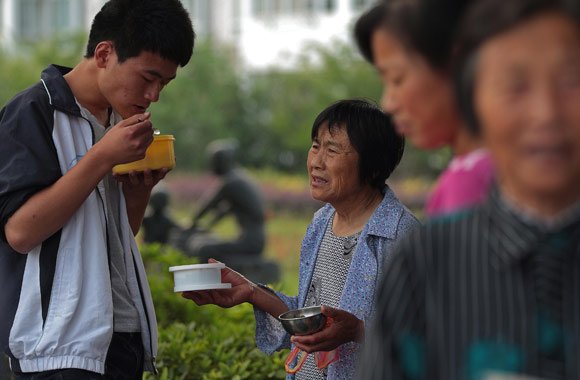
x,y
383,222
512,239
61,96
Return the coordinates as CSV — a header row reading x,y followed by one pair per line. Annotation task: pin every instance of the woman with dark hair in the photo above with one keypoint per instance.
x,y
354,150
497,290
410,46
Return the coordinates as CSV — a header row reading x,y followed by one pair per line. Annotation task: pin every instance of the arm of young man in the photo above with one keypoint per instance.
x,y
48,210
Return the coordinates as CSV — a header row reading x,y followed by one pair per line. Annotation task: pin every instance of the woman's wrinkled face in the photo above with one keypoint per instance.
x,y
419,98
527,99
333,166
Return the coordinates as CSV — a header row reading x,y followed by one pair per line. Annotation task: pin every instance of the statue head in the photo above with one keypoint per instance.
x,y
222,155
159,200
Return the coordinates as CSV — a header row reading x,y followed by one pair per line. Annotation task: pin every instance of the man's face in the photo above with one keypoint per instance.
x,y
131,86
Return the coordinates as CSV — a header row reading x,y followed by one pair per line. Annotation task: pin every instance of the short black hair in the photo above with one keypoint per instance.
x,y
486,19
427,27
365,27
372,134
160,27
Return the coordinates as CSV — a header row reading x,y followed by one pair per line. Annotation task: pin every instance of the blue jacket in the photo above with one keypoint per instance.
x,y
56,308
388,224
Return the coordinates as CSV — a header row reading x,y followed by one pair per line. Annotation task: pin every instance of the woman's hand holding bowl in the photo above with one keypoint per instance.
x,y
241,291
341,327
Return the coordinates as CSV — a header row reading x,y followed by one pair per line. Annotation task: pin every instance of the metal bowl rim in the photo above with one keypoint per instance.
x,y
284,317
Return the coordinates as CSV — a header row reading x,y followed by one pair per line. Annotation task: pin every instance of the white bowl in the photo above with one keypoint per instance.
x,y
198,277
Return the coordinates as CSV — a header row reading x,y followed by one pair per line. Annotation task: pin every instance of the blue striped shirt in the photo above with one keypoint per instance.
x,y
478,292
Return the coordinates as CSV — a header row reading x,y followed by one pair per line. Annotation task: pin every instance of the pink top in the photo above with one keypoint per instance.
x,y
463,184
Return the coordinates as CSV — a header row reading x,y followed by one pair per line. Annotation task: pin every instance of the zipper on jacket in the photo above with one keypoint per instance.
x,y
145,309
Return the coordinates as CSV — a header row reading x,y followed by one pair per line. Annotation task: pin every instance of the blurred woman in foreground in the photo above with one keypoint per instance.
x,y
412,56
354,150
497,290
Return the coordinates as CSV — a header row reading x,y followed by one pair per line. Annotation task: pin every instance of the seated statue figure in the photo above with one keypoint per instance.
x,y
237,195
158,227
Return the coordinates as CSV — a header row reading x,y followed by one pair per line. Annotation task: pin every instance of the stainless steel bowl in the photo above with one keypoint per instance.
x,y
303,321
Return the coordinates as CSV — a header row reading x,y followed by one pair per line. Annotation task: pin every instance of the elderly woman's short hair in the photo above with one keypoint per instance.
x,y
372,134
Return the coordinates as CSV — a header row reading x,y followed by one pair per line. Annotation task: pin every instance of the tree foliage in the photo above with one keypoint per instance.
x,y
21,69
270,112
285,103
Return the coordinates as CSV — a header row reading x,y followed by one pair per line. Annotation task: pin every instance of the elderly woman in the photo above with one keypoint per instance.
x,y
411,51
354,150
497,289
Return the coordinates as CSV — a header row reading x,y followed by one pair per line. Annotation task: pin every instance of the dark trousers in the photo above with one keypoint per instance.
x,y
124,362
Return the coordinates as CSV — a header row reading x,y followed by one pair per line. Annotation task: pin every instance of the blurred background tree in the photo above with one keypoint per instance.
x,y
23,69
270,112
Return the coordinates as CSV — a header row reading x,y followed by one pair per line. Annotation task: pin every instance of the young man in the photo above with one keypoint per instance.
x,y
74,296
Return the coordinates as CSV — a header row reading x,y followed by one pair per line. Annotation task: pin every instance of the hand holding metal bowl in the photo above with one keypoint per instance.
x,y
303,321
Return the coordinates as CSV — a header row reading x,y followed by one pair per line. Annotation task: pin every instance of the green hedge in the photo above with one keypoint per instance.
x,y
206,342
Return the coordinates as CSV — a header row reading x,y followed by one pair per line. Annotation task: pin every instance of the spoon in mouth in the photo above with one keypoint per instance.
x,y
156,132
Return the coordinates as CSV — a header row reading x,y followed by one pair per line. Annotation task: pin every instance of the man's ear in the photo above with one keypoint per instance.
x,y
103,52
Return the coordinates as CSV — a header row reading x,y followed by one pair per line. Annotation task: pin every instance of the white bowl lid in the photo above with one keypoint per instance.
x,y
185,288
197,266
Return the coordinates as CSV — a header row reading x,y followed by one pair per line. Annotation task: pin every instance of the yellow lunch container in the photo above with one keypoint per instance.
x,y
160,154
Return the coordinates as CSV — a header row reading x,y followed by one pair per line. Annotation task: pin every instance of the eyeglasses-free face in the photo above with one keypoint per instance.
x,y
527,99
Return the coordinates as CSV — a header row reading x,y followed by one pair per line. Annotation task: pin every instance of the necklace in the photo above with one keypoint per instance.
x,y
349,243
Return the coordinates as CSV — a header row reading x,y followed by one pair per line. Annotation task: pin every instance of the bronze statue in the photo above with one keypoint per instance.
x,y
237,195
158,226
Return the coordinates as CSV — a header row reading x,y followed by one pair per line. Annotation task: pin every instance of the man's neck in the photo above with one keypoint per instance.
x,y
82,80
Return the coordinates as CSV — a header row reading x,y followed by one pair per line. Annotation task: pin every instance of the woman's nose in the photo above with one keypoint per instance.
x,y
544,109
388,101
317,159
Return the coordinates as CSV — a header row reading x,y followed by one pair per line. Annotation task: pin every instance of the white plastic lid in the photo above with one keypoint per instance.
x,y
197,266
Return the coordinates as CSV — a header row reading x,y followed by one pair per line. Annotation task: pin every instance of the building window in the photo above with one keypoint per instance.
x,y
269,8
321,6
28,27
359,5
257,7
200,13
330,5
44,18
1,19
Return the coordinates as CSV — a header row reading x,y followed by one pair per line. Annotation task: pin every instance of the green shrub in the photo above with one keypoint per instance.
x,y
223,350
206,342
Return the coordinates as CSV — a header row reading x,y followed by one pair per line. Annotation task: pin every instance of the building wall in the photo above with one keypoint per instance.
x,y
276,36
262,32
31,20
